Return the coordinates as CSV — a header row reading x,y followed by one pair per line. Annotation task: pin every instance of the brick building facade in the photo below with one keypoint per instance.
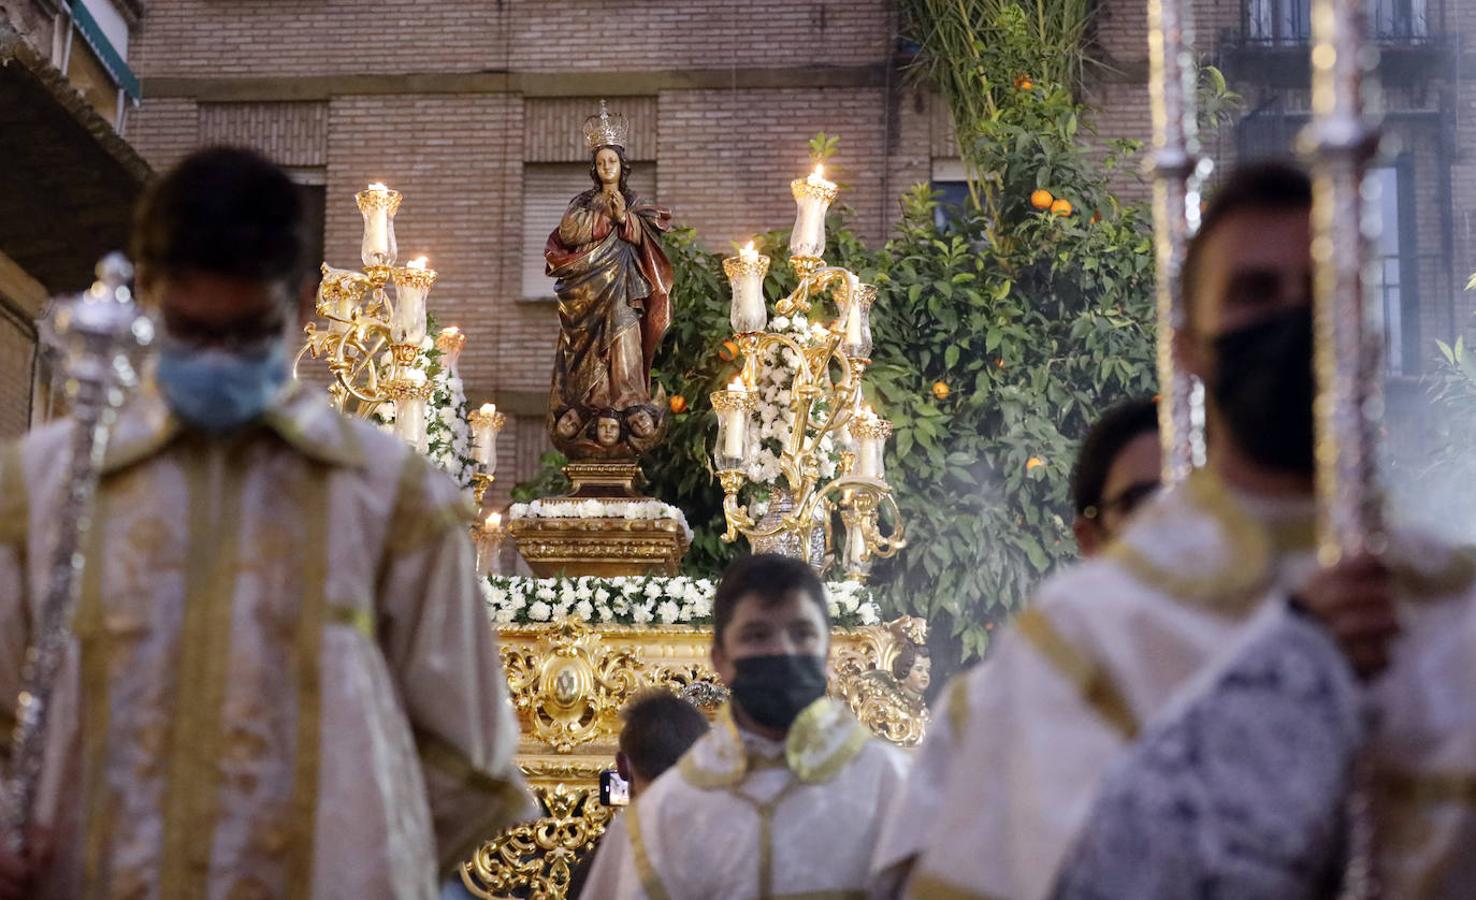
x,y
68,179
472,109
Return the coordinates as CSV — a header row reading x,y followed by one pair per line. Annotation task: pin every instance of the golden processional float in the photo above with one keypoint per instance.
x,y
578,646
1338,145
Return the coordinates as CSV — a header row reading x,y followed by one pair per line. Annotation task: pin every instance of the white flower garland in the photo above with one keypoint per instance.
x,y
600,509
774,418
447,434
641,601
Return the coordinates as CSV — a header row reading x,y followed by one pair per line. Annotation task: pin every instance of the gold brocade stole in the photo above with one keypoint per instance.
x,y
215,480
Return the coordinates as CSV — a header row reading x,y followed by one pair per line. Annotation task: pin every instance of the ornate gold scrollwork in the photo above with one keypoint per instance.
x,y
539,857
570,689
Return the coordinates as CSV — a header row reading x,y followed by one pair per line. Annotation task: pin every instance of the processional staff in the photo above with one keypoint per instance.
x,y
1348,342
1177,169
99,336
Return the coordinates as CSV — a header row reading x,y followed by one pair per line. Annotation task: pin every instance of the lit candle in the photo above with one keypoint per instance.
x,y
410,409
494,522
450,342
412,283
812,198
746,276
871,432
378,204
736,423
853,313
484,437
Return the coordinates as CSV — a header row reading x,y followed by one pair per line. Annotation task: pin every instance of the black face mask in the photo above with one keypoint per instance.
x,y
775,689
1264,389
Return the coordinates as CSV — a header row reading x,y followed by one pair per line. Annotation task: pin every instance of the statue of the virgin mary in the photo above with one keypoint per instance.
x,y
613,283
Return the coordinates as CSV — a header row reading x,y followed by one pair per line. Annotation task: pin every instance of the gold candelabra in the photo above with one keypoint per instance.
x,y
371,338
826,399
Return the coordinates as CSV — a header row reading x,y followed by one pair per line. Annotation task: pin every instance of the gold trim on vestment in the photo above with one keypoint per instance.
x,y
307,664
815,731
15,501
1235,586
355,617
202,671
1428,788
15,522
1092,681
98,799
650,881
765,812
455,765
1455,577
956,705
287,418
930,887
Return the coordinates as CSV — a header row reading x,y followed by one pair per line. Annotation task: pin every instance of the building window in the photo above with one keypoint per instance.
x,y
547,189
1290,21
952,187
1390,286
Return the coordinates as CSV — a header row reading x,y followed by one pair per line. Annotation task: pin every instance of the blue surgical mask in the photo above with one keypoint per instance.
x,y
219,390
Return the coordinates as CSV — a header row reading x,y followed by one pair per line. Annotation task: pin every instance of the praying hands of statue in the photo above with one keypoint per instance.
x,y
1354,601
617,205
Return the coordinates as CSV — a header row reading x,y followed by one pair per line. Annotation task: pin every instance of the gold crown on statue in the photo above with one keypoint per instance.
x,y
605,130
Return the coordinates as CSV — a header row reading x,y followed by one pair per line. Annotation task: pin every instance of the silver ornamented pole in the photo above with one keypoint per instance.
x,y
1348,352
1349,343
99,336
1176,169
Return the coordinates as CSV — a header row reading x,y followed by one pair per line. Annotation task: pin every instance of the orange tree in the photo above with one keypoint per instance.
x,y
1002,330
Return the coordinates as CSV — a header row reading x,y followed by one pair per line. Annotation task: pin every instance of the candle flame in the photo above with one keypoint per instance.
x,y
817,178
450,329
489,409
418,262
748,254
737,385
379,187
494,521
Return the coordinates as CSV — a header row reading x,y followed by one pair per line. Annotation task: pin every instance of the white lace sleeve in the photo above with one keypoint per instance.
x,y
1240,793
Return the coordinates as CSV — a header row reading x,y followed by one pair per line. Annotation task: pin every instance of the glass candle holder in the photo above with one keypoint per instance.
x,y
812,198
338,293
734,407
378,204
486,423
871,433
451,341
412,283
410,393
746,273
857,338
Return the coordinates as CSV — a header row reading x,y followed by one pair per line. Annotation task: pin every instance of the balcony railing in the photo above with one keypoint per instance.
x,y
1288,23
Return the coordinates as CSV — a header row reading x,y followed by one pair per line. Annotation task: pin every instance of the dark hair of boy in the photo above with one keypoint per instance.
x,y
659,727
770,579
224,211
1117,428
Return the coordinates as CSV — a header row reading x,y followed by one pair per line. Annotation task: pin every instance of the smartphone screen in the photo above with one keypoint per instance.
x,y
613,789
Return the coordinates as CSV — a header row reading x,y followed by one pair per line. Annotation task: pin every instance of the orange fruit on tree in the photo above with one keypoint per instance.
x,y
1023,82
1061,207
728,351
941,390
1041,199
678,404
1034,462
